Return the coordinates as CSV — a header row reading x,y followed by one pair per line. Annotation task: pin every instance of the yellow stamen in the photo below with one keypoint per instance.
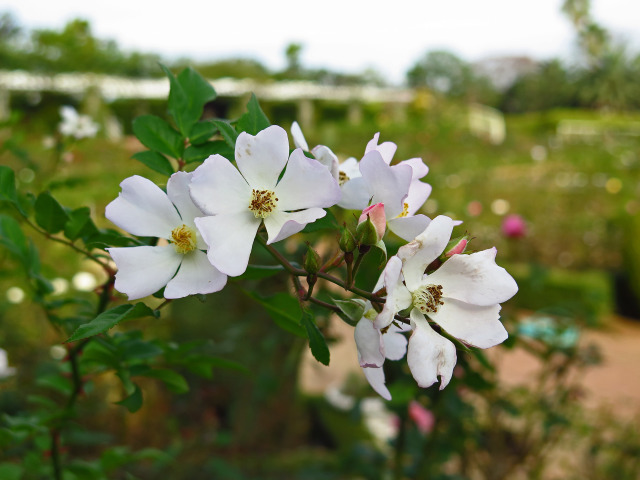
x,y
342,178
427,298
184,239
263,203
405,210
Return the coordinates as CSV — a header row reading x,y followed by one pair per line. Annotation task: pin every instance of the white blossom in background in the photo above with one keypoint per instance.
x,y
322,153
238,200
76,125
463,297
143,209
5,369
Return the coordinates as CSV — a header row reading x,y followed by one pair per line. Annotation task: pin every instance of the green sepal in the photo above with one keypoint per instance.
x,y
352,310
49,213
254,120
158,135
110,319
317,342
155,161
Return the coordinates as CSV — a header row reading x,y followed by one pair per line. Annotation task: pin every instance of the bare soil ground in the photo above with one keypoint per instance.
x,y
614,384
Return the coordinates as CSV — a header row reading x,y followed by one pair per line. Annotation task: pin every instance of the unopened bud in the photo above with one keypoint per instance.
x,y
455,246
347,241
376,214
366,233
311,260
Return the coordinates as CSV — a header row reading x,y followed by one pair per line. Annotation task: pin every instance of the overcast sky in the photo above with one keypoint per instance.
x,y
345,35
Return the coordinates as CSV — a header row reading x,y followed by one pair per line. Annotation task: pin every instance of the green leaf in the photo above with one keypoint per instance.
x,y
352,310
317,343
257,272
254,120
284,310
201,132
80,224
8,185
49,213
174,381
110,319
11,471
227,131
155,161
12,238
328,222
198,153
134,401
158,135
188,94
55,382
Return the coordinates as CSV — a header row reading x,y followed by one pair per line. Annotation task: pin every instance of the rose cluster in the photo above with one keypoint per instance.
x,y
209,219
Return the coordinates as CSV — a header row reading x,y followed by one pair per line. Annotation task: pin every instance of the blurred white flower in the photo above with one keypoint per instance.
x,y
75,125
5,369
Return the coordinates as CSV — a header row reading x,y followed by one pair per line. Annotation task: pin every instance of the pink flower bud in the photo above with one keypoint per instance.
x,y
514,226
457,247
423,418
376,215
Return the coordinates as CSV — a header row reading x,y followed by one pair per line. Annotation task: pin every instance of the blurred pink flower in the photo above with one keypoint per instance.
x,y
423,418
514,226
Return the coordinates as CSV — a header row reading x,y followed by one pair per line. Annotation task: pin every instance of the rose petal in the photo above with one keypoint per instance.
x,y
398,297
355,195
475,279
298,138
350,168
418,254
281,225
418,166
429,355
327,158
196,275
385,184
217,187
230,238
369,344
262,158
144,270
395,343
143,209
178,193
408,228
474,325
386,149
306,183
375,377
418,194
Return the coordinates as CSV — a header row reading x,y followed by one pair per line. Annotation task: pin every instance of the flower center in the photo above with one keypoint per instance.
x,y
405,210
263,203
342,178
184,239
427,298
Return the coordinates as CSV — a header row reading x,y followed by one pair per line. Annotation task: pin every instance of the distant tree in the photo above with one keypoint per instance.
x,y
550,85
443,72
293,53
